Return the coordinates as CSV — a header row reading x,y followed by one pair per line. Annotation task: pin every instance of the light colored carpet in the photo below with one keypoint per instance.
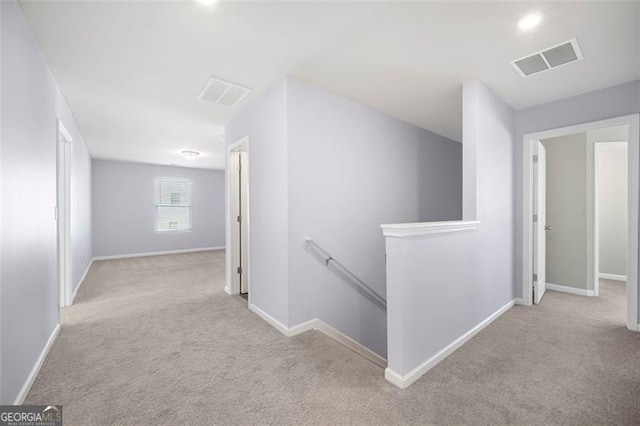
x,y
157,341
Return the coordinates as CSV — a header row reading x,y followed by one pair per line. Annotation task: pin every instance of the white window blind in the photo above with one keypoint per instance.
x,y
173,205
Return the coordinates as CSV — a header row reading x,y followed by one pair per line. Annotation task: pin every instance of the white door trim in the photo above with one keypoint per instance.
x,y
633,185
232,287
64,144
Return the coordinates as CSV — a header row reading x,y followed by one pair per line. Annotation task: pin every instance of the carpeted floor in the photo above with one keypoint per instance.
x,y
156,340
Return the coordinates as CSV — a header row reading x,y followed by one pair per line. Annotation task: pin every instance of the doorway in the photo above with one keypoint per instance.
x,y
538,226
63,213
610,213
238,218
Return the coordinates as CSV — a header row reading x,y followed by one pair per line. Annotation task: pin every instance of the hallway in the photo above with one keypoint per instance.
x,y
156,340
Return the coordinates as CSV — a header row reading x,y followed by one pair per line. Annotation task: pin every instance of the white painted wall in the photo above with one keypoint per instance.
x,y
351,169
124,209
265,122
611,102
567,211
330,169
441,286
612,209
31,103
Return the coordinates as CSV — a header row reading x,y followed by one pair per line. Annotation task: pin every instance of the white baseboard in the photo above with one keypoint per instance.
x,y
408,379
156,253
22,395
317,324
396,378
75,292
303,327
570,290
271,320
520,301
323,327
613,277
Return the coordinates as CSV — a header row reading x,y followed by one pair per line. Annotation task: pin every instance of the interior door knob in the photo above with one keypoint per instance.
x,y
547,228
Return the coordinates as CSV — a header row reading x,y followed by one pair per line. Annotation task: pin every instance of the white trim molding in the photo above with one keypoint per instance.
x,y
570,290
613,277
157,253
404,230
633,191
408,379
22,395
323,327
271,320
347,341
241,145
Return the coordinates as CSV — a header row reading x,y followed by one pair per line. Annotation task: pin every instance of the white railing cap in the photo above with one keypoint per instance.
x,y
403,230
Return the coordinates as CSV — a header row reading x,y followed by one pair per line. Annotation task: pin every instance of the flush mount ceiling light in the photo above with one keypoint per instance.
x,y
207,3
190,155
529,21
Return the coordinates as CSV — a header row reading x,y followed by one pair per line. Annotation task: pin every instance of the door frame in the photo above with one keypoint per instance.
x,y
538,149
64,143
233,287
633,152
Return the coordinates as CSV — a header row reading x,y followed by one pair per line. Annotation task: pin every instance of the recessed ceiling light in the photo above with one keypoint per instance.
x,y
207,3
190,155
529,21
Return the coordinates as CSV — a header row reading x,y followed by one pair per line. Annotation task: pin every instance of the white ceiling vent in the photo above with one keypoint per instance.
x,y
553,57
222,92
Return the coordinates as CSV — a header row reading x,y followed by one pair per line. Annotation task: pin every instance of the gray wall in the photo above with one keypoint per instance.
x,y
612,210
567,210
611,102
441,286
124,209
327,168
611,250
351,169
265,122
31,103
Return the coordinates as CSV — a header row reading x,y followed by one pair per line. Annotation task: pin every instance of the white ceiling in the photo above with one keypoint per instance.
x,y
131,71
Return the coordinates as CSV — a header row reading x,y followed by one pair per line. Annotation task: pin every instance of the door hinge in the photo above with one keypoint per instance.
x,y
535,277
239,219
240,270
55,212
535,158
535,217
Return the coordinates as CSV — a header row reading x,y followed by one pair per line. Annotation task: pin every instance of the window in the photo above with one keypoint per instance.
x,y
173,205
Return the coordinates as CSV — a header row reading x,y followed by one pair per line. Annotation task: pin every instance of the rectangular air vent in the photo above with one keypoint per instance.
x,y
553,57
222,93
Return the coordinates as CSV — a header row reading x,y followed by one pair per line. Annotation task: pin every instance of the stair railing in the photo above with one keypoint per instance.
x,y
341,271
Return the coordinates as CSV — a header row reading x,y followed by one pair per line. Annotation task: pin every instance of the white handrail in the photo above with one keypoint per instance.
x,y
347,276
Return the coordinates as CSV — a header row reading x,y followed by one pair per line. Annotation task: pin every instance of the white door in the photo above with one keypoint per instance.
x,y
540,222
63,214
244,232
